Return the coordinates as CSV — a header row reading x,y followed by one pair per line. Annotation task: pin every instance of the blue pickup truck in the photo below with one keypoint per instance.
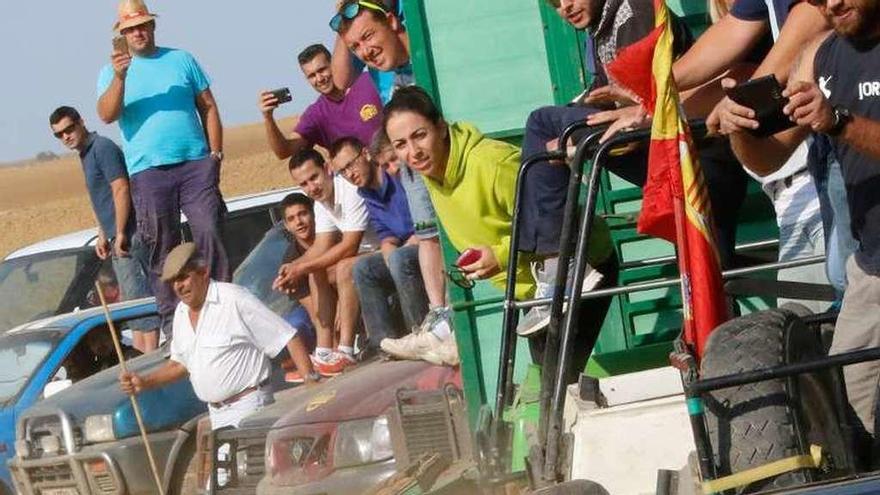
x,y
45,356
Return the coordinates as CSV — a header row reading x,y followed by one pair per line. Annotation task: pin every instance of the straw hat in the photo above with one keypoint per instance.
x,y
132,13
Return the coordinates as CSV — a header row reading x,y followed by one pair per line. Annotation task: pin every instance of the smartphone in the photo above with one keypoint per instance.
x,y
120,44
283,95
764,96
468,257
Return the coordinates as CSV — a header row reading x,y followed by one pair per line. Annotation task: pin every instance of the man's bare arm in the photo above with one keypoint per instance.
x,y
172,371
210,115
863,135
346,248
723,44
282,146
803,24
121,206
342,65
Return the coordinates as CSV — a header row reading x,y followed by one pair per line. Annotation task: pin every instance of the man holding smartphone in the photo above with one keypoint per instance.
x,y
107,182
173,141
337,113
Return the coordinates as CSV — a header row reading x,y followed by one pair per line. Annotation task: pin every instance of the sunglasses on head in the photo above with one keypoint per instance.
x,y
350,11
67,130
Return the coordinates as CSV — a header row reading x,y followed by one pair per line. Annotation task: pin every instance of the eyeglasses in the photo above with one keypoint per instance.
x,y
344,171
67,130
459,277
350,11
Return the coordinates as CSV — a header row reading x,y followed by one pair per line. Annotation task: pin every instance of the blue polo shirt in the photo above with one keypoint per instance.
x,y
388,209
102,163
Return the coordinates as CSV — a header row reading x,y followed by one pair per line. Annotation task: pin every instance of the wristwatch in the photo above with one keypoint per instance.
x,y
841,117
217,155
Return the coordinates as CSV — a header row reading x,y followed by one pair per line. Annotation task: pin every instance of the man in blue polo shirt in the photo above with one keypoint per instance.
x,y
394,270
173,140
107,182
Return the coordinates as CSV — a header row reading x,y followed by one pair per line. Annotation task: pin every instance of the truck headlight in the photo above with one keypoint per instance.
x,y
241,458
362,441
99,428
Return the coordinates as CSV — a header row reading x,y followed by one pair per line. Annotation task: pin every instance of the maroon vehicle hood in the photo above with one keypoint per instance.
x,y
366,391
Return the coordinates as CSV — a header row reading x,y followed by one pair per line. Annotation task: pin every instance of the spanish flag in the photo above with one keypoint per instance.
x,y
675,203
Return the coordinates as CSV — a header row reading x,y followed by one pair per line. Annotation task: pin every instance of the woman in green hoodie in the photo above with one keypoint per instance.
x,y
472,183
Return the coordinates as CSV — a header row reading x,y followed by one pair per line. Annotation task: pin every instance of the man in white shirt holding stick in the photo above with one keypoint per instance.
x,y
224,338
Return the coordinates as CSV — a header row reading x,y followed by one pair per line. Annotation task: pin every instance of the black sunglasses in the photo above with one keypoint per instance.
x,y
67,130
459,277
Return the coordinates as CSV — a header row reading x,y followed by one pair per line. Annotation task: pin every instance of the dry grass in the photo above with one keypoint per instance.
x,y
39,201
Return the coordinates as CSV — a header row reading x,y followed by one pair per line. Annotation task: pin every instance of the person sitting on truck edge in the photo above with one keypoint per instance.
x,y
224,340
376,36
472,182
835,91
338,209
107,182
394,271
298,218
728,46
173,144
339,111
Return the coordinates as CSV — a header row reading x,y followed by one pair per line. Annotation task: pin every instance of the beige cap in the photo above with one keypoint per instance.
x,y
176,260
132,13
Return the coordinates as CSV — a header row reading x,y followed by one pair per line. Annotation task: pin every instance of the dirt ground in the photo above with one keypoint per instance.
x,y
42,200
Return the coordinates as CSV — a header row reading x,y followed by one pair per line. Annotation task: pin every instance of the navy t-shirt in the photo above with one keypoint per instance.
x,y
759,10
102,163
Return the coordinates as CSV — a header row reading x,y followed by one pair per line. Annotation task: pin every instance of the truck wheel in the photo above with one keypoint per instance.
x,y
754,424
185,478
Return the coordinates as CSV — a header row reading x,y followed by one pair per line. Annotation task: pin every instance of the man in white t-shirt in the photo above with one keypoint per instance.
x,y
223,340
342,233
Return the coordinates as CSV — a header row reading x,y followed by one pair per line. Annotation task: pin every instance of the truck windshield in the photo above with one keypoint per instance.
x,y
20,355
36,286
260,268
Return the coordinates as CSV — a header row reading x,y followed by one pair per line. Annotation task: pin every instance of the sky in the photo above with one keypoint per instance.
x,y
51,52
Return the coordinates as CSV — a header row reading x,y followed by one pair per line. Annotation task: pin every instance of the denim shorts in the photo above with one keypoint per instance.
x,y
131,275
420,207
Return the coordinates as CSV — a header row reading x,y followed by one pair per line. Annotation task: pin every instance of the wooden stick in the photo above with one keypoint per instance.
x,y
134,403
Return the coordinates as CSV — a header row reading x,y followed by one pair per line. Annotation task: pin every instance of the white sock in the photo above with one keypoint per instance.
x,y
345,349
441,330
323,352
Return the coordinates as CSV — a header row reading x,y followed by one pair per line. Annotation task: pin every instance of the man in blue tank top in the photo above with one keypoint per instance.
x,y
172,139
835,91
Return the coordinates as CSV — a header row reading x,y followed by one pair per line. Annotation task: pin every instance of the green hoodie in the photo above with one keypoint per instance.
x,y
475,202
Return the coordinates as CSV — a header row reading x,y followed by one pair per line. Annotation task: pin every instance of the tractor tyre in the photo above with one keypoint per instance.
x,y
758,423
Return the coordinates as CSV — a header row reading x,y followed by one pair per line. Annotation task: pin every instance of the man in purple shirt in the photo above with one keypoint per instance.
x,y
337,113
394,270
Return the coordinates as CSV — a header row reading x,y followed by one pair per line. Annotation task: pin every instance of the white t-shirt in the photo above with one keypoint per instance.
x,y
347,213
234,338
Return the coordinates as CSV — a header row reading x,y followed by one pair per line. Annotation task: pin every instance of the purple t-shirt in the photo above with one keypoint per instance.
x,y
358,114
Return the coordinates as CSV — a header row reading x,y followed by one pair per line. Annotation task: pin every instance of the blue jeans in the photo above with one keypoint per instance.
x,y
840,244
544,193
159,195
131,275
380,283
420,207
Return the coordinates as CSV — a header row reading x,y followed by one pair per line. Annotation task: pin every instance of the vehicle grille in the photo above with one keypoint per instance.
x,y
427,430
53,474
104,482
430,422
227,476
256,459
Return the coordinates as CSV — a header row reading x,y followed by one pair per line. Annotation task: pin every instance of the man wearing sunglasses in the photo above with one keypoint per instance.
x,y
374,33
835,91
107,182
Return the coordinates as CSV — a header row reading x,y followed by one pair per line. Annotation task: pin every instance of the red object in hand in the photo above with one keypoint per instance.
x,y
468,257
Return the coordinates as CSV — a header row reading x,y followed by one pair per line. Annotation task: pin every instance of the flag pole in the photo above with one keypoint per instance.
x,y
134,403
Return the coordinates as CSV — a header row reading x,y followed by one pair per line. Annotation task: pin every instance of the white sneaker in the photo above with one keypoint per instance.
x,y
412,346
446,354
537,318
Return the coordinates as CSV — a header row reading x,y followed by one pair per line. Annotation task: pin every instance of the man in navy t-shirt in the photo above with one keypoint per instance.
x,y
107,182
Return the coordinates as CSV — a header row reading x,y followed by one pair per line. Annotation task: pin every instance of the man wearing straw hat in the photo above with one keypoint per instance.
x,y
172,139
224,338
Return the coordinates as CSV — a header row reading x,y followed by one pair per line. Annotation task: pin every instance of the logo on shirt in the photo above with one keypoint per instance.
x,y
869,89
368,111
823,85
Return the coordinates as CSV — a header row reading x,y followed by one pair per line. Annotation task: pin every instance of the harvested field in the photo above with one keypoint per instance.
x,y
43,200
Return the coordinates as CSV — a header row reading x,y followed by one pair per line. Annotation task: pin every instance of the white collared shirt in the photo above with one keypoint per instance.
x,y
230,348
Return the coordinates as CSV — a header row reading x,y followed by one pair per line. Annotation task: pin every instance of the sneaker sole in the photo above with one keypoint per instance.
x,y
533,329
